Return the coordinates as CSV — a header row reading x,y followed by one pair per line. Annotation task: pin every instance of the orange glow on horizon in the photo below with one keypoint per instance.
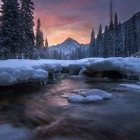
x,y
58,36
57,29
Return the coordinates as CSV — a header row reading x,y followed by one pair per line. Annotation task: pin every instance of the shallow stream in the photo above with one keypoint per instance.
x,y
30,112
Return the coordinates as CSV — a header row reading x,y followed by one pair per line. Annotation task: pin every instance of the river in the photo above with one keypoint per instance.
x,y
41,113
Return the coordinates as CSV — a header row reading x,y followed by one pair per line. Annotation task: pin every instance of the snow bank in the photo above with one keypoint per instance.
x,y
16,71
19,71
128,67
89,96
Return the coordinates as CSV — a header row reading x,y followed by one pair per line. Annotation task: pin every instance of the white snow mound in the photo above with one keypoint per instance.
x,y
15,71
98,92
129,67
89,96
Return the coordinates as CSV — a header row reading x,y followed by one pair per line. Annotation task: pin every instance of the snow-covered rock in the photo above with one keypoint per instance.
x,y
94,98
76,99
98,92
8,132
115,68
82,99
88,96
17,71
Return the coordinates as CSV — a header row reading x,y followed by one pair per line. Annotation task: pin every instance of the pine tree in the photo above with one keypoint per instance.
x,y
116,21
111,15
133,37
39,35
26,14
10,28
99,43
41,39
105,43
92,37
116,36
92,43
46,43
100,31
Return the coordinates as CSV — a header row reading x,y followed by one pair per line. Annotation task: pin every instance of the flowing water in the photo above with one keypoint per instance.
x,y
30,112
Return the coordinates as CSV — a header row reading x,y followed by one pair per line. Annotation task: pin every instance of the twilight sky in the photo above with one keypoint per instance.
x,y
75,18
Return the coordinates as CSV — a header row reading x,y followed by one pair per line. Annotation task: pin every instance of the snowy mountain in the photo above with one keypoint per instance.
x,y
68,43
69,49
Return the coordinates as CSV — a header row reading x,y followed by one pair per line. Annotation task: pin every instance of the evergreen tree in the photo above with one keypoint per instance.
x,y
39,35
99,43
41,39
100,31
105,42
133,36
10,28
26,14
92,38
116,21
92,43
46,43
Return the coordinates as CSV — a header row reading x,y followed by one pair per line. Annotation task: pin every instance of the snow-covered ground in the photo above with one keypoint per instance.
x,y
17,71
129,67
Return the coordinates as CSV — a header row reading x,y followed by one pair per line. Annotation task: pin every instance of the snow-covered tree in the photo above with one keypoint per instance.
x,y
46,43
99,42
39,36
92,43
116,24
10,28
105,42
27,23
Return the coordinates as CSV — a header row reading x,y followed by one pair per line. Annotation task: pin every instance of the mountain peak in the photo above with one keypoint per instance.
x,y
70,40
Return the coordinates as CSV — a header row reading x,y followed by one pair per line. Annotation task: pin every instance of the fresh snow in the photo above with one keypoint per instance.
x,y
88,96
126,66
98,92
82,99
16,71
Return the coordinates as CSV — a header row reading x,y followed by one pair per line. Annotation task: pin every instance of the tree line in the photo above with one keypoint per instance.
x,y
18,40
17,37
117,40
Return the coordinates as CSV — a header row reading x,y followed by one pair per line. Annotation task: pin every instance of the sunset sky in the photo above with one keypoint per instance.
x,y
75,18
